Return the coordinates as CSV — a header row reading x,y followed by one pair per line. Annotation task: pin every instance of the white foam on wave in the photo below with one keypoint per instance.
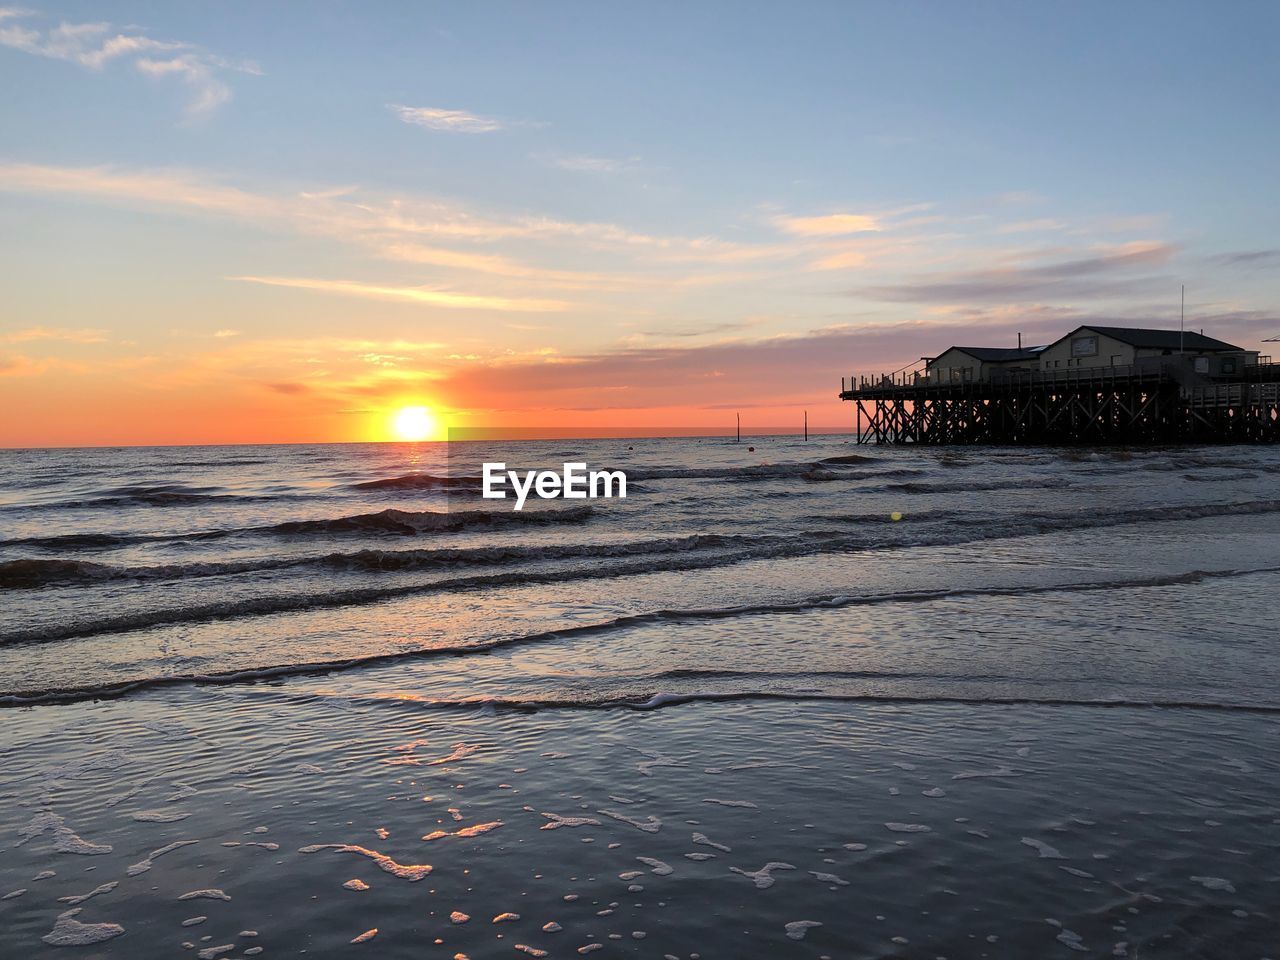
x,y
829,878
557,821
102,888
646,767
406,871
763,878
650,824
1046,851
65,840
796,929
701,838
69,932
142,866
1215,883
160,816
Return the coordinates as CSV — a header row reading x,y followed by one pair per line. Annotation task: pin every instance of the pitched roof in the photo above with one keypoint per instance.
x,y
995,354
1159,339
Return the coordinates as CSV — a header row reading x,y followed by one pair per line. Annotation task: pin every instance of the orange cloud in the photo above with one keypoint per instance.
x,y
424,295
829,225
55,333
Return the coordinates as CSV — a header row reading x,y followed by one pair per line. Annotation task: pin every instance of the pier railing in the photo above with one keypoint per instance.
x,y
1145,372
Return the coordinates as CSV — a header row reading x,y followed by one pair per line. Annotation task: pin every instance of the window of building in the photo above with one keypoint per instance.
x,y
1201,364
1084,347
1228,366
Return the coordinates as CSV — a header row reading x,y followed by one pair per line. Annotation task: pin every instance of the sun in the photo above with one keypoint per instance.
x,y
414,423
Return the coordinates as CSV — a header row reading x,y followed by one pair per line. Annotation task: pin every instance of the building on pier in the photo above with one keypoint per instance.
x,y
1096,384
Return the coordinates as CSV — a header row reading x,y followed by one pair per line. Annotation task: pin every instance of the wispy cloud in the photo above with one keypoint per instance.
x,y
95,45
1105,274
18,365
207,91
584,163
829,225
424,295
1247,258
1040,225
728,326
394,227
63,334
841,260
450,121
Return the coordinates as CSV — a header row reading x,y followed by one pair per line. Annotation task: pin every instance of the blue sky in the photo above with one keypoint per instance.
x,y
476,192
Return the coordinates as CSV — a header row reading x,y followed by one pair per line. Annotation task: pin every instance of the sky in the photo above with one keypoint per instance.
x,y
285,222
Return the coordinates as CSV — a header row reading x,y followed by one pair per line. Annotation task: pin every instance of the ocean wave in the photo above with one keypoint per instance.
x,y
420,481
160,495
412,523
829,601
642,702
294,603
25,573
231,462
390,521
851,458
85,541
29,573
797,545
760,471
979,486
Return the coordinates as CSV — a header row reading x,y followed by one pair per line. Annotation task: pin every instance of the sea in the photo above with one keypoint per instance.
x,y
788,698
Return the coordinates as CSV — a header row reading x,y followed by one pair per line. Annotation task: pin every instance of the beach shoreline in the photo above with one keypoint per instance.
x,y
962,830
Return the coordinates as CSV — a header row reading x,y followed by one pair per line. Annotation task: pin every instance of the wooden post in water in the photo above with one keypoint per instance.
x,y
806,424
738,437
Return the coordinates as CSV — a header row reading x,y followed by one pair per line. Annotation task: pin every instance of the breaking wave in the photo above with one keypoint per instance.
x,y
391,521
162,495
830,601
419,481
412,523
962,532
30,573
